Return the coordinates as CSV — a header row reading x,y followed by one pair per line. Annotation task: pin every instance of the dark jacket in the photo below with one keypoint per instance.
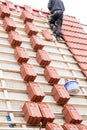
x,y
55,5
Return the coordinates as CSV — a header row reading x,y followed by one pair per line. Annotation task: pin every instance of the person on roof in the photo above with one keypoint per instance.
x,y
56,8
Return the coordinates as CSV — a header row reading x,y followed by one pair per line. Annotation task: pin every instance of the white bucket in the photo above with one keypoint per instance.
x,y
72,87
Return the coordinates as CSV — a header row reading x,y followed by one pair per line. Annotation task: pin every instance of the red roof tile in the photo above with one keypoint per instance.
x,y
83,66
79,52
72,24
85,72
70,33
72,28
47,35
70,18
10,5
76,39
77,46
81,59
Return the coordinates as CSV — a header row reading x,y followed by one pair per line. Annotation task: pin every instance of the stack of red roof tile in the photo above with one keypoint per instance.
x,y
28,8
27,72
71,115
36,42
35,92
26,16
9,24
47,115
67,126
81,127
14,38
21,55
30,29
10,5
47,35
32,113
51,75
36,113
60,94
4,11
43,58
53,126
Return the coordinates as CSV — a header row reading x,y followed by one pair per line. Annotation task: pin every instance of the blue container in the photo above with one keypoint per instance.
x,y
72,87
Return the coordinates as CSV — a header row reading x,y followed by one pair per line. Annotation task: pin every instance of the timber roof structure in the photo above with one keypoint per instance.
x,y
29,53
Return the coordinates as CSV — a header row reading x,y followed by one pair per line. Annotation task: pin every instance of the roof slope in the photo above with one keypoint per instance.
x,y
76,39
13,88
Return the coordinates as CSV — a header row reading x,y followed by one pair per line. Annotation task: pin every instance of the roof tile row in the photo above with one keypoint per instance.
x,y
73,29
27,71
77,46
65,126
76,39
33,89
37,112
79,53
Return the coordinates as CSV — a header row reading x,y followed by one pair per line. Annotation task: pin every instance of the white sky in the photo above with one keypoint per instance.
x,y
76,8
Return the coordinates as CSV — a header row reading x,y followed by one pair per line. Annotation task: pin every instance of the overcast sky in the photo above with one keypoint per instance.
x,y
76,8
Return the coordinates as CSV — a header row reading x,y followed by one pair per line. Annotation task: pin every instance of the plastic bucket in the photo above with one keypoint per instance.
x,y
72,87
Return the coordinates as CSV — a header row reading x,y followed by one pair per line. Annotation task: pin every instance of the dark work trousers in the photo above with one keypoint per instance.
x,y
57,18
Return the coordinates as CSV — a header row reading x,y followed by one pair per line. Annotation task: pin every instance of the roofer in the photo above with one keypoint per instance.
x,y
56,8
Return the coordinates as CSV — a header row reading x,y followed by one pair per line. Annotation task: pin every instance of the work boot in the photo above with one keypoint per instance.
x,y
59,38
54,29
52,26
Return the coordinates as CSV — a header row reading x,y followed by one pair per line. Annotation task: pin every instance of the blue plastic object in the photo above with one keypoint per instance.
x,y
9,119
